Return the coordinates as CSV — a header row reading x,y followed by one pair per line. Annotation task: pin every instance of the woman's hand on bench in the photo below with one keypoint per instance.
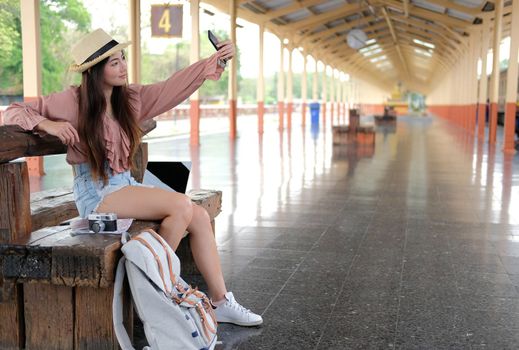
x,y
62,130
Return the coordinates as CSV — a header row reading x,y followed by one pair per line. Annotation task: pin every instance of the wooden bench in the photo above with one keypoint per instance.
x,y
56,288
389,116
358,135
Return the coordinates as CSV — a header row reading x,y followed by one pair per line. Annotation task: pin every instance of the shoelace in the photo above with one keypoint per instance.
x,y
235,305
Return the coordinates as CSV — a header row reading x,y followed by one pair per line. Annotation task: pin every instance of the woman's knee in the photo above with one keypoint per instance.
x,y
200,214
183,209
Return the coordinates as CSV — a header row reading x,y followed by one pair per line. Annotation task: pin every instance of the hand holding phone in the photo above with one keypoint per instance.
x,y
214,40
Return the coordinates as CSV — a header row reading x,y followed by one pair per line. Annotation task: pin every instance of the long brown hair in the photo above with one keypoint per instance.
x,y
92,106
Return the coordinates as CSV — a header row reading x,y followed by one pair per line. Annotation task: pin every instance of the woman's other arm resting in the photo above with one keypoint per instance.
x,y
55,114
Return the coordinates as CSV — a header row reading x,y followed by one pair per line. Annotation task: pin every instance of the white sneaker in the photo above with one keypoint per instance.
x,y
232,312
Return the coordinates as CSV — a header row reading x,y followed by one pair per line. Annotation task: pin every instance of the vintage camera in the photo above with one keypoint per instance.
x,y
102,222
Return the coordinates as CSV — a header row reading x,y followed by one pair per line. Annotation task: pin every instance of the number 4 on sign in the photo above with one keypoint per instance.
x,y
166,21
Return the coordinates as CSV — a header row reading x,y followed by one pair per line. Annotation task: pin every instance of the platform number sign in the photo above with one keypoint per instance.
x,y
166,21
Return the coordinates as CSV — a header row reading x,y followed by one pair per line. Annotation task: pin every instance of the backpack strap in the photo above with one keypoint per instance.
x,y
117,308
166,247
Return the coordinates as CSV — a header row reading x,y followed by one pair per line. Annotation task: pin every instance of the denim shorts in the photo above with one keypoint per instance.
x,y
89,193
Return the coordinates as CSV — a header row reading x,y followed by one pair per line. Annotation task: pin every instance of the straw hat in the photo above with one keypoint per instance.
x,y
93,48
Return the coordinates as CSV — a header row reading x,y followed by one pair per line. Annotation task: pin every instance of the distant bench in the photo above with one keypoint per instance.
x,y
55,288
358,135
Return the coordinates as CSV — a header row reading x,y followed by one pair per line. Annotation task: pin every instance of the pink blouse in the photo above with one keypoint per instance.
x,y
148,101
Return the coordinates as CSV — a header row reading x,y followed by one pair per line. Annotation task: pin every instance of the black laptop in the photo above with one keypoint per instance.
x,y
168,175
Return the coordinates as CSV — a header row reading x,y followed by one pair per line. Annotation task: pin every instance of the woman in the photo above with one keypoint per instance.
x,y
99,122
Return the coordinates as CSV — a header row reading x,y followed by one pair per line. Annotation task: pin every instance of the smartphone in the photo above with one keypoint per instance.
x,y
214,40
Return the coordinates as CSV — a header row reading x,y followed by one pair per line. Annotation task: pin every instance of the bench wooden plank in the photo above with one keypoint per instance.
x,y
54,255
93,319
18,143
11,332
49,208
49,317
15,221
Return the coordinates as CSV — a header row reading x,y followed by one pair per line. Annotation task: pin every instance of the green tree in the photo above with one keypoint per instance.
x,y
159,67
62,22
10,47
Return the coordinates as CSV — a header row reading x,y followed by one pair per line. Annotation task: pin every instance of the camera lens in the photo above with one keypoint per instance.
x,y
98,226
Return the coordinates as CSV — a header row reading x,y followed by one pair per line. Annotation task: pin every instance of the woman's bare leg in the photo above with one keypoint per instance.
x,y
203,246
177,214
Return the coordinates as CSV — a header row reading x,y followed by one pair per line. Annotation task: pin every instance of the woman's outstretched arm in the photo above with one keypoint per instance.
x,y
158,98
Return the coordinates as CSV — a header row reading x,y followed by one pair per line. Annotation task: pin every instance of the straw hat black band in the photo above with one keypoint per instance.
x,y
94,48
101,51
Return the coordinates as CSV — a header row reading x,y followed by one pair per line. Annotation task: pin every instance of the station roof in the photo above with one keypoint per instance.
x,y
409,41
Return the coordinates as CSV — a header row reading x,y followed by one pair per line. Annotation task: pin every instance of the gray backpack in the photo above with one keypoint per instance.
x,y
174,315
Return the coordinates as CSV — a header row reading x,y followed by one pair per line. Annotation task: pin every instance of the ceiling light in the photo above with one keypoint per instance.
x,y
377,59
422,52
424,43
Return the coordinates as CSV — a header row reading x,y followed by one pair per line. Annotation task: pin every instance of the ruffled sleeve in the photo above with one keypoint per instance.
x,y
60,106
158,98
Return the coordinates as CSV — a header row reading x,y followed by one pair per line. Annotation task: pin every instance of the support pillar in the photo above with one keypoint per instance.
x,y
323,103
332,95
483,82
468,89
233,71
458,103
194,111
315,95
30,17
339,98
281,85
261,82
511,82
290,89
474,82
134,50
494,81
303,91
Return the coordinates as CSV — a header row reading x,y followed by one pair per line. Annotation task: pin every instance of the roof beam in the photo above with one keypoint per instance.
x,y
410,48
358,72
322,18
357,69
406,8
367,29
430,15
254,5
340,27
473,11
339,38
429,36
440,45
298,5
456,41
489,16
395,40
434,55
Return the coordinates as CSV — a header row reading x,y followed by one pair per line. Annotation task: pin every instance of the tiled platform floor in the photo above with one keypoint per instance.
x,y
414,247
